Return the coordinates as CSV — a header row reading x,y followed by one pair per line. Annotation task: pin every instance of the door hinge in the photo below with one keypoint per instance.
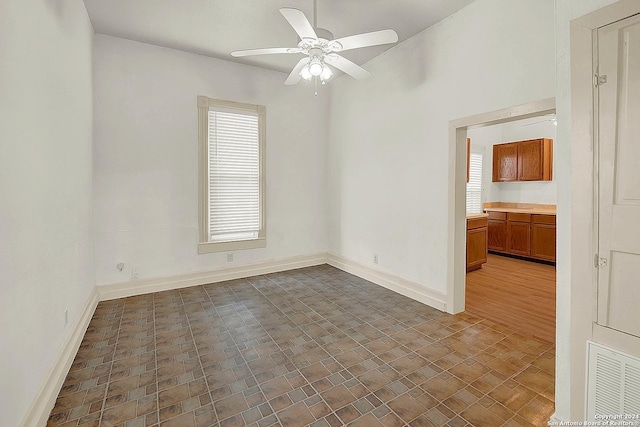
x,y
599,80
599,262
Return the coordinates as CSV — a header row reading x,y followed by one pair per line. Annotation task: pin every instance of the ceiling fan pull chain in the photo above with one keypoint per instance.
x,y
316,82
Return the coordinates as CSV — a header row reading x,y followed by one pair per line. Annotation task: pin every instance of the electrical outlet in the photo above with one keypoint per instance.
x,y
135,274
375,258
66,316
229,257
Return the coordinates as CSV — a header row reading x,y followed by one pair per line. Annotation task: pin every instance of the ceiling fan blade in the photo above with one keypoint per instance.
x,y
368,39
299,22
354,70
294,77
267,51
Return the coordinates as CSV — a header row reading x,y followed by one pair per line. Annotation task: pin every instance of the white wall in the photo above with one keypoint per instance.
x,y
483,139
388,143
46,241
146,159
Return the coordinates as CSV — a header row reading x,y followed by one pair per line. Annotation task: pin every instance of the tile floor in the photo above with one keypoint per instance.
x,y
314,346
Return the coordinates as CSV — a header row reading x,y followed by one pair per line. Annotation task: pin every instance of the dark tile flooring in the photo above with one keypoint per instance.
x,y
314,346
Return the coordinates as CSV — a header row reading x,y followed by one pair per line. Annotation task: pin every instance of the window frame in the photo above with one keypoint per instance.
x,y
205,245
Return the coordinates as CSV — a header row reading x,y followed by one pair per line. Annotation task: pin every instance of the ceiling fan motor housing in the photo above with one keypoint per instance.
x,y
325,42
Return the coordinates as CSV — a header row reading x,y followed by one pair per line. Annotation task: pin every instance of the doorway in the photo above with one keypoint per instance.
x,y
516,284
456,268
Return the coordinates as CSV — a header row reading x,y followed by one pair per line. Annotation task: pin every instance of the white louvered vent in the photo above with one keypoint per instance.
x,y
631,403
613,387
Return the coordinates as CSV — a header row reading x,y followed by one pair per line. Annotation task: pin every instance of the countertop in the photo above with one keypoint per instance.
x,y
477,215
530,208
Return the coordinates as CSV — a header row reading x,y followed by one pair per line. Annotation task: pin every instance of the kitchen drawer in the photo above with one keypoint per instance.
x,y
544,219
520,217
497,215
476,223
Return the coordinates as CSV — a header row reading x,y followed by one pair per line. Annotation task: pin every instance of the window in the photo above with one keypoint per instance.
x,y
474,186
231,137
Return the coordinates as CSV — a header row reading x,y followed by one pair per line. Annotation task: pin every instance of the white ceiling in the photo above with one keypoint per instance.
x,y
217,27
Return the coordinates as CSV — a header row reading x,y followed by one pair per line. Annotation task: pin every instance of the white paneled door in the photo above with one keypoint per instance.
x,y
619,175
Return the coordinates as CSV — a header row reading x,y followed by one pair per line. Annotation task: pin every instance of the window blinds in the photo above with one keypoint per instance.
x,y
474,186
234,176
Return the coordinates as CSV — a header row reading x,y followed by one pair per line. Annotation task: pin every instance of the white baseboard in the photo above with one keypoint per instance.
x,y
397,284
394,283
157,284
44,401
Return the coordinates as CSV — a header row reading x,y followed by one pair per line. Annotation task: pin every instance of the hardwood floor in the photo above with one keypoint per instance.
x,y
516,293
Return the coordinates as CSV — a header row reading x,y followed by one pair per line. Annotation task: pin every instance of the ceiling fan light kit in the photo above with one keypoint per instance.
x,y
320,49
315,66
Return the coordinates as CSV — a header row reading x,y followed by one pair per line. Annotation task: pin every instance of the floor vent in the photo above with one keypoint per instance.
x,y
613,388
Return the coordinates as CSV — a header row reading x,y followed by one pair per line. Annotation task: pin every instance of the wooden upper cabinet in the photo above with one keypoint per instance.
x,y
535,159
505,162
523,161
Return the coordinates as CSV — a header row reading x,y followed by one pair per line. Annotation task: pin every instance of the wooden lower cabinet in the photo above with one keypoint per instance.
x,y
497,235
543,242
526,235
477,235
519,238
497,239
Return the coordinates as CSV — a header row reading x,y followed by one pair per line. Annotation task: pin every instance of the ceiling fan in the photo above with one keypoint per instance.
x,y
321,49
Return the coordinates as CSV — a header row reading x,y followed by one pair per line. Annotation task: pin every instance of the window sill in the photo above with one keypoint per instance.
x,y
235,245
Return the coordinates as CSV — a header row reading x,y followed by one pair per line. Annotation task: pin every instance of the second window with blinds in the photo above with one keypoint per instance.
x,y
231,139
474,186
